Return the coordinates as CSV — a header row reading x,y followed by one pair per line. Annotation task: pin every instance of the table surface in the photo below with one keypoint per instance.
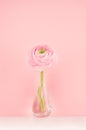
x,y
56,123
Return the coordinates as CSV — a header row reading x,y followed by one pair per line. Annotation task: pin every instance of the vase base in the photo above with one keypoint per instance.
x,y
41,115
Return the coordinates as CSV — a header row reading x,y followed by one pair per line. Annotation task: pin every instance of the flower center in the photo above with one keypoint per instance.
x,y
42,51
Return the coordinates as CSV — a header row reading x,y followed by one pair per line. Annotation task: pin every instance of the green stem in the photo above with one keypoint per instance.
x,y
41,99
42,78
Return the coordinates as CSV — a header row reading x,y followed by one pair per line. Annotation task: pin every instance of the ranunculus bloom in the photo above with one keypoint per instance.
x,y
41,56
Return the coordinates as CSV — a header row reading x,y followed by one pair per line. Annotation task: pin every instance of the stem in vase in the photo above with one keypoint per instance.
x,y
40,92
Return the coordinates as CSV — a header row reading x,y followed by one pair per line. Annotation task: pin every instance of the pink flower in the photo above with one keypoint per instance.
x,y
41,56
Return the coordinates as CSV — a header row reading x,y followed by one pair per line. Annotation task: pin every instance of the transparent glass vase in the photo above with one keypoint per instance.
x,y
41,105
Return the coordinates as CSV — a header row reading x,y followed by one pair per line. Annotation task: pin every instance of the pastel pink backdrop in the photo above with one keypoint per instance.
x,y
60,24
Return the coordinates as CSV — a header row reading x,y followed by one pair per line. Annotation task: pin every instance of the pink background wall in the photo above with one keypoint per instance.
x,y
62,25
